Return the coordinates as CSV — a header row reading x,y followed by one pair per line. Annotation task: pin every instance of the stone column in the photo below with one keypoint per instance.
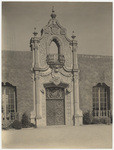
x,y
32,117
37,96
36,54
77,111
36,113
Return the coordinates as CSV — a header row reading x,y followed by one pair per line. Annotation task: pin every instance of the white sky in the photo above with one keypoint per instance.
x,y
92,23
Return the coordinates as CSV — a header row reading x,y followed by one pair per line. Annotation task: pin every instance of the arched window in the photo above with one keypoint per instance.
x,y
101,100
9,103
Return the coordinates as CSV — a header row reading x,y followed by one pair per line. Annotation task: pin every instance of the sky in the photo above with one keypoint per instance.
x,y
91,21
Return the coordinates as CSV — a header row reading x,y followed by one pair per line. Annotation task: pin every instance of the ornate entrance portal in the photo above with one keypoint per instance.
x,y
55,106
55,77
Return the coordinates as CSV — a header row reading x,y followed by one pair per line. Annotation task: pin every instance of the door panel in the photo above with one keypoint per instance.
x,y
50,107
55,107
59,112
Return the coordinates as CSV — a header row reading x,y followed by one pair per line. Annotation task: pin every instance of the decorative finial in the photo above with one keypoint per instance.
x,y
53,9
53,15
35,33
73,35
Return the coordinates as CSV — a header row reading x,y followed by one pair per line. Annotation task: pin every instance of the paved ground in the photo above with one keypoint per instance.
x,y
88,136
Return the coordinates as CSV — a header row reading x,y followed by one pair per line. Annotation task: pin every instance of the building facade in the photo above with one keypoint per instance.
x,y
54,84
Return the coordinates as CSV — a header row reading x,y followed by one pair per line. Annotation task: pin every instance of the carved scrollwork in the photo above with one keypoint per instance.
x,y
47,30
64,73
55,93
76,76
63,32
42,90
56,79
46,73
37,75
54,30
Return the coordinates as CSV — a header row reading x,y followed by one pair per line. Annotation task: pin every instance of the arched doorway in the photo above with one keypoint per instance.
x,y
55,106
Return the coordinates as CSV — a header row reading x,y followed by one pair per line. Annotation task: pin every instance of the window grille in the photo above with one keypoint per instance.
x,y
101,100
9,106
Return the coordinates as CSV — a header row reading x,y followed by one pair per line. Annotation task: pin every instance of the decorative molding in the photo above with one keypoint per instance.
x,y
67,91
54,27
93,56
76,75
66,69
56,79
8,84
42,90
46,73
37,76
58,39
41,69
51,84
66,74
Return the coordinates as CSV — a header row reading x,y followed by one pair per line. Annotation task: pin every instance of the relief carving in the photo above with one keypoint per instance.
x,y
54,29
54,93
76,75
66,74
37,75
62,32
46,73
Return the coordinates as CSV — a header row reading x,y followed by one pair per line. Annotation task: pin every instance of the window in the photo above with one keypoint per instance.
x,y
9,106
101,100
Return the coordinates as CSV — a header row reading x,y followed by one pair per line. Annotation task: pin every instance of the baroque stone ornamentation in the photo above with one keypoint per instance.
x,y
56,79
37,76
54,93
45,73
54,29
56,71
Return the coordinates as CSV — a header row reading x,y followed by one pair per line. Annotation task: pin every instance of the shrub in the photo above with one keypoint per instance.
x,y
111,118
25,121
96,121
87,118
32,125
16,125
105,120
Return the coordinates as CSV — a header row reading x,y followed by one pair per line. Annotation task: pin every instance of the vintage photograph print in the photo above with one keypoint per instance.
x,y
56,75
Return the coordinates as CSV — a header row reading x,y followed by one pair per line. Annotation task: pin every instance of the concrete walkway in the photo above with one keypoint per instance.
x,y
86,136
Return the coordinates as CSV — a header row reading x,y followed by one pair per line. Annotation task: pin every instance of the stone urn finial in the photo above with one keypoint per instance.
x,y
73,35
35,33
53,15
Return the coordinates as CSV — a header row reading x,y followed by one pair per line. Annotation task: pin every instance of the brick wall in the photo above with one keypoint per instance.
x,y
93,70
16,69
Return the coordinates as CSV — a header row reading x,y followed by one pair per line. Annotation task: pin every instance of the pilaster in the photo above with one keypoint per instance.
x,y
36,113
77,112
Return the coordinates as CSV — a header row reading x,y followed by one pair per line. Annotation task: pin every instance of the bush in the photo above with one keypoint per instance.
x,y
87,118
32,125
16,125
105,120
25,121
111,118
96,121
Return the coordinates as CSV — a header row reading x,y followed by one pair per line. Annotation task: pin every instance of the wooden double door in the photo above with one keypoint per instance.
x,y
55,106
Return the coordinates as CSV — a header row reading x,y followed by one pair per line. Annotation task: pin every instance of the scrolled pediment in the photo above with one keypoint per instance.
x,y
53,27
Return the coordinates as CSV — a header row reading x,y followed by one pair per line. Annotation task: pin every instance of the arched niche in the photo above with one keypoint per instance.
x,y
54,46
